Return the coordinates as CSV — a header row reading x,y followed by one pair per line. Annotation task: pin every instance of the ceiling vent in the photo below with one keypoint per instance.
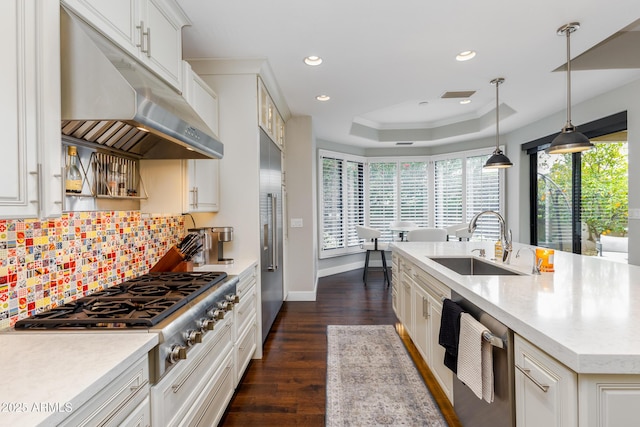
x,y
458,94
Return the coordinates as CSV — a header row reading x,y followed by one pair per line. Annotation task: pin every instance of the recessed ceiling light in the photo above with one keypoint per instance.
x,y
466,55
323,97
465,101
404,143
313,60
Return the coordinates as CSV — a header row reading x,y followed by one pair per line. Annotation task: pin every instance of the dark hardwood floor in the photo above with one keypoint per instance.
x,y
287,386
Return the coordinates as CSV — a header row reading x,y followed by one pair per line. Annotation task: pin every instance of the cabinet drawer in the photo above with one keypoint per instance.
x,y
546,391
176,393
115,402
246,279
215,396
244,350
245,312
429,283
140,416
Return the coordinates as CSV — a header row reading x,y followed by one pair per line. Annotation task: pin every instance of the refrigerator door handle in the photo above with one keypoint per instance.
x,y
274,236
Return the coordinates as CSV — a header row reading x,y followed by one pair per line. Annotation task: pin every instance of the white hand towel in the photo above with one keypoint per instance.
x,y
475,358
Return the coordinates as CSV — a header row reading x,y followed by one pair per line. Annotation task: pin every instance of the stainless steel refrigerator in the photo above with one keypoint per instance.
x,y
270,231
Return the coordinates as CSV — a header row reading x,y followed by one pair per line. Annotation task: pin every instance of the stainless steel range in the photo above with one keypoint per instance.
x,y
180,307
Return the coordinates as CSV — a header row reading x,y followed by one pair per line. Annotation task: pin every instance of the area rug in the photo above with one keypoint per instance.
x,y
372,381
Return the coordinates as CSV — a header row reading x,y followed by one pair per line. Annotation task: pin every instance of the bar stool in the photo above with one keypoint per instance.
x,y
371,244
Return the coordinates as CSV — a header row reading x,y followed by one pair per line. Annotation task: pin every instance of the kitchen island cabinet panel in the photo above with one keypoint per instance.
x,y
609,400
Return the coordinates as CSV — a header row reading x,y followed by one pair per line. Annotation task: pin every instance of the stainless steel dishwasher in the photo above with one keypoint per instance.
x,y
474,412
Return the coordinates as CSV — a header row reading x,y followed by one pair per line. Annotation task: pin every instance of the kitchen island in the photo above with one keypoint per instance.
x,y
585,314
577,344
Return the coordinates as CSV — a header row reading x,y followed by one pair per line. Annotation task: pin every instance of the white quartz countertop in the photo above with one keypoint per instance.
x,y
235,268
586,314
45,376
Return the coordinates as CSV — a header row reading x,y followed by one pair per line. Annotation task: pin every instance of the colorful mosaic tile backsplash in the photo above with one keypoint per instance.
x,y
47,263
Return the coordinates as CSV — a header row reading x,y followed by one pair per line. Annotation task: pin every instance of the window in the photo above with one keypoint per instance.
x,y
578,198
342,203
431,192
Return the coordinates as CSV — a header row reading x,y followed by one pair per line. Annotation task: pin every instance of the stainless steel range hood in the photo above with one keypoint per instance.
x,y
111,102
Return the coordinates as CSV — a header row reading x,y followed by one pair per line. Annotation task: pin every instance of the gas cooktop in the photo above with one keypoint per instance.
x,y
141,302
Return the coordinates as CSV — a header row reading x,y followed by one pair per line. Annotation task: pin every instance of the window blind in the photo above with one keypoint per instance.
x,y
483,194
383,196
414,192
448,200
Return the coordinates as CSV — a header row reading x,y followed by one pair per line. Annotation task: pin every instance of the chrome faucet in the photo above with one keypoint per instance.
x,y
505,235
536,262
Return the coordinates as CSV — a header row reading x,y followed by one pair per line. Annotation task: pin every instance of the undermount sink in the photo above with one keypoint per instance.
x,y
470,266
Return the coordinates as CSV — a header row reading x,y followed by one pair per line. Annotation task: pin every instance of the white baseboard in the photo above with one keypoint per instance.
x,y
301,296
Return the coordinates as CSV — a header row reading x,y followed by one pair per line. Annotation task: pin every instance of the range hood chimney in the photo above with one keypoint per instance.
x,y
111,102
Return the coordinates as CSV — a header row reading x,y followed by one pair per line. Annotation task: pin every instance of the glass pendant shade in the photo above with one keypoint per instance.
x,y
497,160
569,140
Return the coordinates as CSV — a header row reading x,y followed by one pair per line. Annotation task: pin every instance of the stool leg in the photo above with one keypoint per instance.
x,y
366,268
384,268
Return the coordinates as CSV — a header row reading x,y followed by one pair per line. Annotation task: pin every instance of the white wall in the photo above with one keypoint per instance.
x,y
625,98
300,166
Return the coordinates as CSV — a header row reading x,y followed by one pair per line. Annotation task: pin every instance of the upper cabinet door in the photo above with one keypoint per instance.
x,y
201,97
30,105
150,30
162,42
116,19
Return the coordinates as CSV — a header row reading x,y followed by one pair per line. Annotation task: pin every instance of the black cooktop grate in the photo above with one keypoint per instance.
x,y
141,302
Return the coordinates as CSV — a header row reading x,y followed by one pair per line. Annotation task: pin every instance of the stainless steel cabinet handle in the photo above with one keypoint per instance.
x,y
527,373
142,34
38,201
148,34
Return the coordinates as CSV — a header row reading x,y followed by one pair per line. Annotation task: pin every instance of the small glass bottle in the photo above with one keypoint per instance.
x,y
73,178
112,179
498,250
122,180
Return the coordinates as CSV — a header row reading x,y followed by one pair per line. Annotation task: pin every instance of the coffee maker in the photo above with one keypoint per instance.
x,y
212,239
219,235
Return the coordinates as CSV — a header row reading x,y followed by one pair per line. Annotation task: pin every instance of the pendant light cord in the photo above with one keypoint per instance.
x,y
568,32
497,117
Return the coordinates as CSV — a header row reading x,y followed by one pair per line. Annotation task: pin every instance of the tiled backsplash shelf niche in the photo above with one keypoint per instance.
x,y
46,263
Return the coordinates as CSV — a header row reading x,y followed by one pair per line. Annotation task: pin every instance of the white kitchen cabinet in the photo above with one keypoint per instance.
x,y
269,118
203,187
245,337
183,395
395,283
32,169
609,400
201,97
124,401
427,296
180,186
149,30
546,391
405,299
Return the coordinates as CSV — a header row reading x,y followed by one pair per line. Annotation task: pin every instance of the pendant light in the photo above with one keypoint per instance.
x,y
498,160
569,140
